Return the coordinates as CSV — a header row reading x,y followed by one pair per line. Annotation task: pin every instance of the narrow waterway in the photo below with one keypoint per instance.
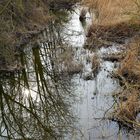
x,y
57,96
94,96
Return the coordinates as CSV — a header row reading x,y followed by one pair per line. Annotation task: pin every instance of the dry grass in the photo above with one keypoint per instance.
x,y
116,21
38,17
130,66
113,11
21,22
127,110
99,35
114,57
95,64
128,105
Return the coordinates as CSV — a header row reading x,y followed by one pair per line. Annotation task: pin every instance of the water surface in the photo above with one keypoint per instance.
x,y
50,99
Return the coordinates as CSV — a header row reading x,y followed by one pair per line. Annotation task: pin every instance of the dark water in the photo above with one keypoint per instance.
x,y
50,99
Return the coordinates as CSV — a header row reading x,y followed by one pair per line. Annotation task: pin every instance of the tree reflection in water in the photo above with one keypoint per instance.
x,y
35,103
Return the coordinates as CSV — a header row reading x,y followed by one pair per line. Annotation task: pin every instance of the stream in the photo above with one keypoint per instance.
x,y
94,95
72,106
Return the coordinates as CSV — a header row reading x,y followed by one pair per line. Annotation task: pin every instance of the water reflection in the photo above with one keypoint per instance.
x,y
39,101
94,95
35,103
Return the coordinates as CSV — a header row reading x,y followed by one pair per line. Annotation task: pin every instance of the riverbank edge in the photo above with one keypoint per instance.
x,y
125,34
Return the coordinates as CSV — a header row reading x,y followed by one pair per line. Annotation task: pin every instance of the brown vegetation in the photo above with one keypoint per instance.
x,y
95,64
21,21
61,4
128,105
113,11
112,33
130,65
23,18
114,57
128,109
115,22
